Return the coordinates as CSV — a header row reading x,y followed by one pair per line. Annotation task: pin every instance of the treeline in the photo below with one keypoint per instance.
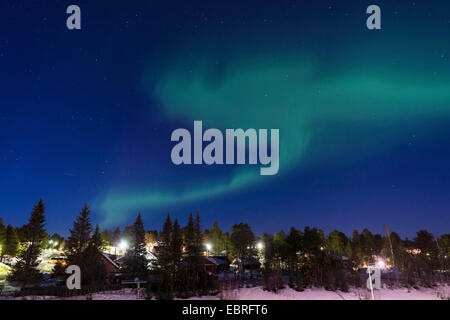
x,y
180,260
178,270
12,237
299,258
309,257
312,259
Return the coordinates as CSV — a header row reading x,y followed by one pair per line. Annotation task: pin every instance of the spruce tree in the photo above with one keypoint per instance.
x,y
294,242
96,239
199,265
199,247
86,251
25,270
189,237
116,237
80,233
91,261
165,261
136,257
193,252
2,239
22,233
215,238
106,236
176,244
12,241
357,250
242,238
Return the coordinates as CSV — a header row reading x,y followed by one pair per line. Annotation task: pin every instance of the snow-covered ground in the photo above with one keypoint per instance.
x,y
257,293
4,270
45,262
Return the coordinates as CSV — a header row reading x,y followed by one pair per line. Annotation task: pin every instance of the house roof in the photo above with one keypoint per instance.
x,y
246,261
218,260
110,261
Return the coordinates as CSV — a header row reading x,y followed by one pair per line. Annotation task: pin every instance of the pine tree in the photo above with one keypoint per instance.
x,y
80,233
136,257
127,233
116,237
199,247
96,239
2,239
86,251
215,238
189,244
194,248
242,238
176,244
294,243
336,243
357,250
25,270
165,261
200,273
91,261
22,233
12,241
106,236
189,238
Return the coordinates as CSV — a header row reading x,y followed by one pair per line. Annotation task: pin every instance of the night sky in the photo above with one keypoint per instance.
x,y
364,115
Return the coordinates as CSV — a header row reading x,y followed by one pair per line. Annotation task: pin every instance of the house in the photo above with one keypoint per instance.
x,y
151,259
245,264
112,268
216,264
58,260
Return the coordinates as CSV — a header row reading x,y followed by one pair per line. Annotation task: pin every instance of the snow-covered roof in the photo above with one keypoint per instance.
x,y
150,256
246,261
218,260
110,260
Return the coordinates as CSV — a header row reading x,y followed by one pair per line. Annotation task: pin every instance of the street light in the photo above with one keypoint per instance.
x,y
259,246
123,245
208,248
381,264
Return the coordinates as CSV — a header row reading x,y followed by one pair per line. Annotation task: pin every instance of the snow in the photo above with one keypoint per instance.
x,y
4,285
4,270
45,262
257,293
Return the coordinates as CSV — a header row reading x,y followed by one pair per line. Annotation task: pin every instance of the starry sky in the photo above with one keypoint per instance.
x,y
364,115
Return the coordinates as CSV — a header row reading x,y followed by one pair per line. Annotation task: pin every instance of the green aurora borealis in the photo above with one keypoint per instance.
x,y
363,115
342,110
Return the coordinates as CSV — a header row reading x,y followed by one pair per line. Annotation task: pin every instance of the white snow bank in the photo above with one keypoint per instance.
x,y
4,268
257,293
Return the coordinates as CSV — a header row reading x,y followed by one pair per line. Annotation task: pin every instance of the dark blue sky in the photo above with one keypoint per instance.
x,y
86,115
